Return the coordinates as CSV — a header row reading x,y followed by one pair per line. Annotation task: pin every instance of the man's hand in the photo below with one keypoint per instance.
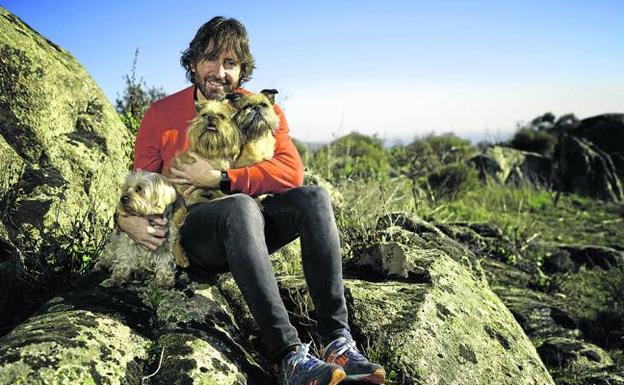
x,y
151,235
199,174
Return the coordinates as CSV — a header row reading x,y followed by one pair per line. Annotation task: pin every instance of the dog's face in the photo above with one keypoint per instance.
x,y
254,114
146,193
213,133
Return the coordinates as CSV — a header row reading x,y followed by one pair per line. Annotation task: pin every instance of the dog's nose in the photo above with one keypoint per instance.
x,y
125,200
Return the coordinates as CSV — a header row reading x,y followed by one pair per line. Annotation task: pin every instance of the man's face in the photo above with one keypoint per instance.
x,y
216,75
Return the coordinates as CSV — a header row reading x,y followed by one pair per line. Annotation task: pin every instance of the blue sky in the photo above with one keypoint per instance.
x,y
398,69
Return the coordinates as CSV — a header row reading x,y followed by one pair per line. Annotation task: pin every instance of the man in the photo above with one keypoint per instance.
x,y
233,233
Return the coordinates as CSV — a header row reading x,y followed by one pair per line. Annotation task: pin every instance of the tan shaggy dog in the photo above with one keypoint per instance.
x,y
149,195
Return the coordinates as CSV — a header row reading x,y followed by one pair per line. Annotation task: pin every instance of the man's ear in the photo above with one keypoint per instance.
x,y
270,94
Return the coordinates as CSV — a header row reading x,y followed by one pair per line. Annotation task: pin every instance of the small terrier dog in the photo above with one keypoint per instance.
x,y
214,136
257,121
151,196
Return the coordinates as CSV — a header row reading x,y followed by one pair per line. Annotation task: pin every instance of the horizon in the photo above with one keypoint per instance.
x,y
398,70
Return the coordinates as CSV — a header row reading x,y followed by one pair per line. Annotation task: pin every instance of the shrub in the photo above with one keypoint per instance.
x,y
450,181
427,154
136,98
528,139
354,156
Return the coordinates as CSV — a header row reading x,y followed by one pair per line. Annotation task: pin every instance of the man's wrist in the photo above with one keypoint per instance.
x,y
225,183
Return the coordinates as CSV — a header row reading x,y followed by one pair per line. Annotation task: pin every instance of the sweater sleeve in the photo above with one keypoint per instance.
x,y
276,175
147,146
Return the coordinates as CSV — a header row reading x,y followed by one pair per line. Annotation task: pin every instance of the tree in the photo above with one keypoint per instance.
x,y
136,98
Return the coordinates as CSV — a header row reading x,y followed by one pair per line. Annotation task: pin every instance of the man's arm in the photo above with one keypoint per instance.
x,y
146,157
282,172
147,146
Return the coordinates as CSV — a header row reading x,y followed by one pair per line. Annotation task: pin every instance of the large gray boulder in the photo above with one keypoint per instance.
x,y
575,361
508,165
63,150
66,148
607,132
72,347
562,296
585,169
95,333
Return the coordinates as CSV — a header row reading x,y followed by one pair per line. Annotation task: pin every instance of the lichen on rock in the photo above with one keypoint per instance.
x,y
74,346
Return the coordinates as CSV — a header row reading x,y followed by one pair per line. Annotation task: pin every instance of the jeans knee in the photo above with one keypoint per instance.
x,y
314,199
241,209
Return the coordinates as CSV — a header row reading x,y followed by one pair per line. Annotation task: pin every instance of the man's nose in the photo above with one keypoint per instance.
x,y
221,71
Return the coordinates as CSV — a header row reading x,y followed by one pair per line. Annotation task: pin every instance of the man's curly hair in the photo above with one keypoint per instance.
x,y
217,35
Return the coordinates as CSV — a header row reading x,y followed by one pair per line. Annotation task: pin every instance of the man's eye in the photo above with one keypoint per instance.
x,y
230,63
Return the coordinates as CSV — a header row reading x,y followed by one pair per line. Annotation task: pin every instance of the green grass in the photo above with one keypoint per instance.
x,y
366,201
524,214
538,212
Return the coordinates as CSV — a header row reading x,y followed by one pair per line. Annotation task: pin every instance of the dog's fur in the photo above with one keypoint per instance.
x,y
148,195
257,121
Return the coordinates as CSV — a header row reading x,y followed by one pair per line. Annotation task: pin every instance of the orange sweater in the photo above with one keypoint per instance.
x,y
162,135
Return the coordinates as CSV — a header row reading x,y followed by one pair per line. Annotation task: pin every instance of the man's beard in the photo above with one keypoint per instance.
x,y
227,88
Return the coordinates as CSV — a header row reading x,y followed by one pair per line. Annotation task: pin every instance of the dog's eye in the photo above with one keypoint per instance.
x,y
138,188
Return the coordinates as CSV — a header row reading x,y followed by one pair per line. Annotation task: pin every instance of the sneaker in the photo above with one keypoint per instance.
x,y
301,368
342,351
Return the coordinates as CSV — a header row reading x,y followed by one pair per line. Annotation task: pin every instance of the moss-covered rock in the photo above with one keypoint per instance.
x,y
607,132
508,165
393,260
69,148
579,362
426,238
556,292
187,359
563,352
72,347
201,309
585,169
541,315
192,325
64,152
454,330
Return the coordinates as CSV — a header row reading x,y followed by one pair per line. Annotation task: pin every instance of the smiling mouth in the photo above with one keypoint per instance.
x,y
215,83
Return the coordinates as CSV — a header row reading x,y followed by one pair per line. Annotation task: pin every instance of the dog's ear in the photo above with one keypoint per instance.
x,y
200,105
270,94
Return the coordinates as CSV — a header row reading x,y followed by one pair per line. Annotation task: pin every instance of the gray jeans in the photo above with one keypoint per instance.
x,y
233,234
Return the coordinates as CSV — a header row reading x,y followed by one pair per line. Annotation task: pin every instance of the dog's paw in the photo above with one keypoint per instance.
x,y
109,282
179,256
120,276
165,279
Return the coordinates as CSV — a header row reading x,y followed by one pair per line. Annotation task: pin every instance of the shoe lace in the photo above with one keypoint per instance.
x,y
343,345
302,359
